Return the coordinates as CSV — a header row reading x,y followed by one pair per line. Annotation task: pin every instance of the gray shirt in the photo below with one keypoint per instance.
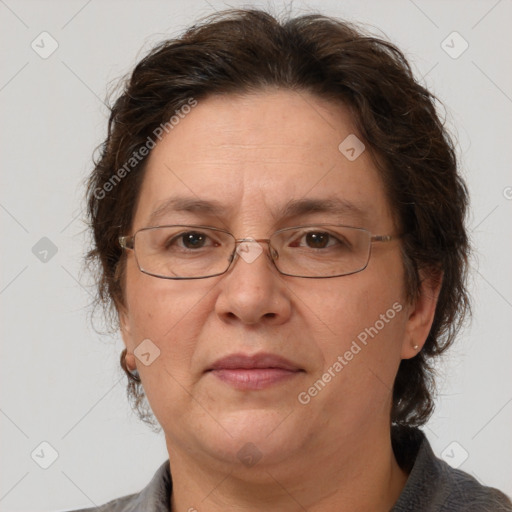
x,y
432,486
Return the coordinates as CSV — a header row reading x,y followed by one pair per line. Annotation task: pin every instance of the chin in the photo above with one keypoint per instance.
x,y
256,438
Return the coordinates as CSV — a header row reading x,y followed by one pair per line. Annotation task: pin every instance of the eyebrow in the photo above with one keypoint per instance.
x,y
293,208
335,206
187,204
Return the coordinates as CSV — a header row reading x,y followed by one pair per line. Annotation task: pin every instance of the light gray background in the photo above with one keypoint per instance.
x,y
60,381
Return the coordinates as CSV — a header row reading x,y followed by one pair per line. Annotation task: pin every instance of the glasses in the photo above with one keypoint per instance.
x,y
198,252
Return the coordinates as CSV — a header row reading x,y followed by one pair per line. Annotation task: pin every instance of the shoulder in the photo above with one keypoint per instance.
x,y
434,486
460,491
155,497
124,504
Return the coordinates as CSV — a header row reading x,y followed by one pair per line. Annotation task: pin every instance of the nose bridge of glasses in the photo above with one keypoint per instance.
x,y
250,248
238,241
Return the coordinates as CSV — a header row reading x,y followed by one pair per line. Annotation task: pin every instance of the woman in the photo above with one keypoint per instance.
x,y
279,225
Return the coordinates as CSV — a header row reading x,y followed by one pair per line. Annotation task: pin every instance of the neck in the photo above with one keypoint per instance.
x,y
360,475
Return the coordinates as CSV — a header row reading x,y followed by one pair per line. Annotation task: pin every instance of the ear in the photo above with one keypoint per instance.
x,y
124,324
421,313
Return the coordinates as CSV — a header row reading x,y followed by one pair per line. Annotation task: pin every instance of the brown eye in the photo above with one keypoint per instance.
x,y
189,240
193,240
317,240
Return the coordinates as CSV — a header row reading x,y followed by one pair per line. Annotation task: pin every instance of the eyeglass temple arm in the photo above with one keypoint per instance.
x,y
126,242
384,238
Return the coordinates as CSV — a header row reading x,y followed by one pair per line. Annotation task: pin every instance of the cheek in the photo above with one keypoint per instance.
x,y
362,327
344,309
169,313
361,316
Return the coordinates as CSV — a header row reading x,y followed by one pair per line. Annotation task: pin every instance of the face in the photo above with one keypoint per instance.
x,y
342,338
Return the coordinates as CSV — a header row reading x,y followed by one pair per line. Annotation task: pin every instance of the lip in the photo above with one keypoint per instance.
x,y
253,372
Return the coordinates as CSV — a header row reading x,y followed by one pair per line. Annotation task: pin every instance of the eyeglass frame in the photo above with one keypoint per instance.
x,y
127,242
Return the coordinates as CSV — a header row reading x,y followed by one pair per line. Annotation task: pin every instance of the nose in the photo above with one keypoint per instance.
x,y
253,291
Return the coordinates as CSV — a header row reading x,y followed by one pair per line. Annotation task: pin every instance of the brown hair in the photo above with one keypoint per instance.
x,y
241,51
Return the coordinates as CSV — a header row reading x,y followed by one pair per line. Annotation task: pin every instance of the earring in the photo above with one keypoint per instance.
x,y
134,373
415,347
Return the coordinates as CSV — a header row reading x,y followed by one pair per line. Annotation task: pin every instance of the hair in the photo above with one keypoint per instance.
x,y
246,51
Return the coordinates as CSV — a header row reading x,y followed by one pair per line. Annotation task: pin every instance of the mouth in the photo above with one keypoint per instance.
x,y
254,372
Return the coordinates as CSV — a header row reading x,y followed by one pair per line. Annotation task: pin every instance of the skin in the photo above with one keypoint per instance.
x,y
254,153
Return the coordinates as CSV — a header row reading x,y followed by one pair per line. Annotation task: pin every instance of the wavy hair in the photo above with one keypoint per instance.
x,y
244,51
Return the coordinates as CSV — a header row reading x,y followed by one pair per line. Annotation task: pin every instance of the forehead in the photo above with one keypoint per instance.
x,y
256,154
